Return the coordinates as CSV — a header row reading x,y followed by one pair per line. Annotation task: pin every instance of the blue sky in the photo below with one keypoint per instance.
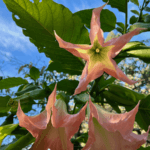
x,y
17,47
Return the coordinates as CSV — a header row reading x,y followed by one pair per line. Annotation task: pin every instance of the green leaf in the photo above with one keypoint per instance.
x,y
147,9
133,19
27,99
6,130
141,52
120,5
22,142
34,73
120,30
107,18
9,119
21,87
140,25
116,98
63,96
32,95
3,104
40,19
135,12
103,83
120,24
147,19
144,148
132,45
19,132
28,88
75,70
82,98
122,92
11,82
122,95
136,2
65,85
114,105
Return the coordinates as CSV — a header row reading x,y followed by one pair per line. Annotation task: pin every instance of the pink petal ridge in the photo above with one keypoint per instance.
x,y
113,131
52,130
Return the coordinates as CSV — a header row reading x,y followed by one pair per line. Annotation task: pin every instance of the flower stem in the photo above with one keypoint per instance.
x,y
126,17
141,9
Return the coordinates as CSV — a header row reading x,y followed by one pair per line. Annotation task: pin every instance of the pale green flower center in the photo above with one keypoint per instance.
x,y
97,50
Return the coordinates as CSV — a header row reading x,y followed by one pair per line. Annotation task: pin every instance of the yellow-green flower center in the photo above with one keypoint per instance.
x,y
97,50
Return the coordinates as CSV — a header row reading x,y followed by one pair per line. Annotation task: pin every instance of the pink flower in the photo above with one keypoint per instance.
x,y
54,127
99,54
108,131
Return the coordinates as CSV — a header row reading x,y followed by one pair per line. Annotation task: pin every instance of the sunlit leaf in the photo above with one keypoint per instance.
x,y
6,130
40,19
22,142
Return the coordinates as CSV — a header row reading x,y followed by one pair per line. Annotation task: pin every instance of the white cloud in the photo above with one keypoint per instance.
x,y
12,36
4,55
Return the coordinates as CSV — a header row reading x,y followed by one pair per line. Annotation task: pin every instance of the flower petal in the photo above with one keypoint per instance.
x,y
52,138
52,132
108,131
60,129
118,74
95,25
89,75
75,49
121,41
61,118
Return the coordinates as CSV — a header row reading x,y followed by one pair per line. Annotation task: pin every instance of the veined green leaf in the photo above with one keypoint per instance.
x,y
28,88
122,92
131,45
142,52
11,82
40,19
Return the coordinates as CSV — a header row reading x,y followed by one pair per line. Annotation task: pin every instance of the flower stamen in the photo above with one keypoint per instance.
x,y
97,50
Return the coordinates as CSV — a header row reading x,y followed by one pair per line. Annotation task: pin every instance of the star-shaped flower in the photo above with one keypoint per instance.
x,y
54,127
109,131
99,54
